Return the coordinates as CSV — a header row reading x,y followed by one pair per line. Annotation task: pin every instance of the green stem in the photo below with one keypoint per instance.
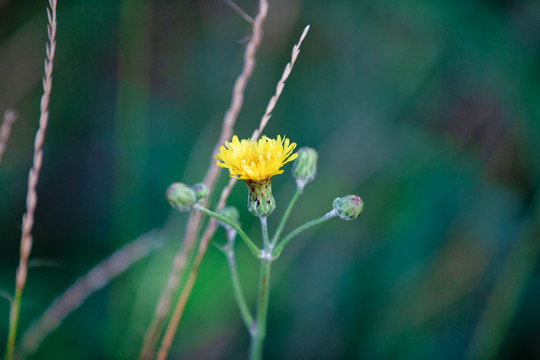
x,y
279,248
266,239
13,323
286,216
258,333
238,293
254,249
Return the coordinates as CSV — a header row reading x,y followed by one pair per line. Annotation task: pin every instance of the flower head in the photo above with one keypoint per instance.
x,y
348,207
256,160
305,167
180,196
201,190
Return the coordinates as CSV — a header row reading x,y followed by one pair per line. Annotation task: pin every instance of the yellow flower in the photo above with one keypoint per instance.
x,y
256,160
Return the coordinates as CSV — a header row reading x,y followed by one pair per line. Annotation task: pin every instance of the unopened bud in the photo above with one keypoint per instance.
x,y
201,190
181,197
305,166
348,207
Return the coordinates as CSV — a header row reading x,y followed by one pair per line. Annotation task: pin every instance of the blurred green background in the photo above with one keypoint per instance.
x,y
429,110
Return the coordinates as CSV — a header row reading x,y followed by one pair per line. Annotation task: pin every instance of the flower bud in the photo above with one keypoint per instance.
x,y
231,213
180,196
201,190
348,207
305,166
261,202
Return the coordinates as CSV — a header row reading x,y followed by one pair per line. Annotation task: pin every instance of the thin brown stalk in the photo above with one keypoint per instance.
x,y
211,228
212,225
280,85
176,315
194,222
239,11
33,176
9,118
97,278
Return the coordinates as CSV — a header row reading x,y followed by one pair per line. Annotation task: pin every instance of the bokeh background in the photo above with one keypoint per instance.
x,y
429,110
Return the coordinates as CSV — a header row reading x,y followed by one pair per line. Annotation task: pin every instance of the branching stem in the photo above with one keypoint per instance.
x,y
279,248
238,293
283,221
254,249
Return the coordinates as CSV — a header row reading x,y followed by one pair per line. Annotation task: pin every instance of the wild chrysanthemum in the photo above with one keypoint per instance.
x,y
256,162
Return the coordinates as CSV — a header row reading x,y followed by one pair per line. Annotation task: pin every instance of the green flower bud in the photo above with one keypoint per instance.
x,y
180,196
305,166
348,207
201,190
231,213
261,202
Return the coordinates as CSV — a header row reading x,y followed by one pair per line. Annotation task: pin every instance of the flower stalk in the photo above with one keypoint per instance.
x,y
254,249
279,248
285,216
238,294
259,330
228,250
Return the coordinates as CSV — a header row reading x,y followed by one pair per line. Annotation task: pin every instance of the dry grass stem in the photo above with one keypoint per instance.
x,y
209,232
240,12
212,225
9,118
280,85
97,278
33,176
6,295
176,315
193,226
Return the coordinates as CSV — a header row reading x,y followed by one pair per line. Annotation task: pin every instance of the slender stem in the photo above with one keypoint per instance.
x,y
187,281
258,333
9,118
97,278
254,249
264,227
212,174
238,294
283,221
33,177
168,337
240,12
13,321
279,248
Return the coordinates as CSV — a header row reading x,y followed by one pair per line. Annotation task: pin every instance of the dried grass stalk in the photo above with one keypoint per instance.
x,y
194,222
280,85
33,176
9,118
211,228
239,11
97,278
